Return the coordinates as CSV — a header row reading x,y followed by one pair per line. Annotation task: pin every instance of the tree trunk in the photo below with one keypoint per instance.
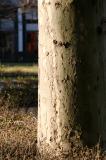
x,y
68,72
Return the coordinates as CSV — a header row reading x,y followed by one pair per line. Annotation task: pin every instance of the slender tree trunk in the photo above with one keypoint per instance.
x,y
68,72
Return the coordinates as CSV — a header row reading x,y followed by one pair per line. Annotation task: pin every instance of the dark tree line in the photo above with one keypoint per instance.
x,y
9,7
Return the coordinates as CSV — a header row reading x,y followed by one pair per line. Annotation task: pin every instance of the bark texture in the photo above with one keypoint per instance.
x,y
69,78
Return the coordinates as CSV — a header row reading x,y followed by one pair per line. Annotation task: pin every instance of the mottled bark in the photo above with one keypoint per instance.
x,y
68,72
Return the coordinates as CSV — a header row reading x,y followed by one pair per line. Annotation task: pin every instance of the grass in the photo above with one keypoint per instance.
x,y
18,83
18,140
18,130
17,135
18,68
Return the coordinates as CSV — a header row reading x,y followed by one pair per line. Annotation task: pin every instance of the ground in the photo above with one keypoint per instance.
x,y
17,135
18,117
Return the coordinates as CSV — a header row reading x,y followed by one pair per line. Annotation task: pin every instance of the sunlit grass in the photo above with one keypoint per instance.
x,y
18,68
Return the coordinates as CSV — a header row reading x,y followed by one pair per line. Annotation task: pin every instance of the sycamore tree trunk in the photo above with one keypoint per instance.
x,y
69,73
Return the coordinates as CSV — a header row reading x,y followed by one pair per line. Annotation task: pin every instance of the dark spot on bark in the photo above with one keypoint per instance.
x,y
51,139
54,41
54,105
72,134
62,80
60,44
66,29
49,3
65,110
56,112
75,93
36,141
72,145
60,91
43,3
67,78
67,45
75,109
69,62
60,124
58,5
63,105
55,132
41,134
66,128
47,53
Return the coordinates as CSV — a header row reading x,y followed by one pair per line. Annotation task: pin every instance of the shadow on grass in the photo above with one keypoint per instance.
x,y
19,94
19,89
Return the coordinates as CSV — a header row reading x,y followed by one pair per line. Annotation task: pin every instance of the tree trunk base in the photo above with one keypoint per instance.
x,y
65,151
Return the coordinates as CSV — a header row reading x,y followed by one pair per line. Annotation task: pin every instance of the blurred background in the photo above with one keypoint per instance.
x,y
18,31
19,54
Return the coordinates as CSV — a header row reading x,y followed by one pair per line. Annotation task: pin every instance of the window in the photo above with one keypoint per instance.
x,y
31,15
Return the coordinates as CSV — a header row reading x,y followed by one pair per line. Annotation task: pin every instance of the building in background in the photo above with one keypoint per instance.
x,y
18,34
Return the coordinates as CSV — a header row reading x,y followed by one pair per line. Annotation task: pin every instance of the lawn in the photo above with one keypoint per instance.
x,y
18,128
19,85
19,68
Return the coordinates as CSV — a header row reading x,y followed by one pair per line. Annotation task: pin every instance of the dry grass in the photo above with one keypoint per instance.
x,y
17,136
18,85
18,131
